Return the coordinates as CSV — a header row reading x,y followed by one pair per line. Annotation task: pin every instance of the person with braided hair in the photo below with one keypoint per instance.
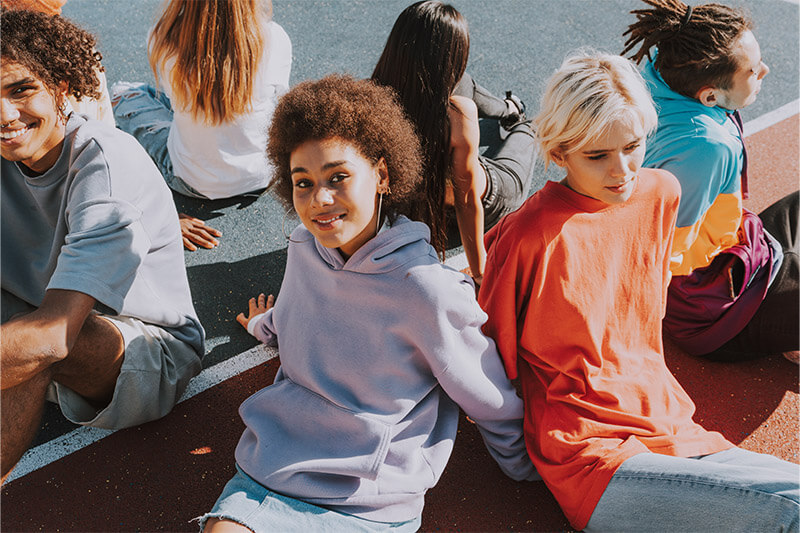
x,y
734,292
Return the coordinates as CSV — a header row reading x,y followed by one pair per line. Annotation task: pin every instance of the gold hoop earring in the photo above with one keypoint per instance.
x,y
283,229
380,204
387,191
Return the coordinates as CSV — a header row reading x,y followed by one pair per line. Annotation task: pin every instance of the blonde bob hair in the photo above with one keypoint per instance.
x,y
585,97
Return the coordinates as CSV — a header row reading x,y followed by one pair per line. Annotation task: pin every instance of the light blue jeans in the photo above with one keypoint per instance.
x,y
146,113
247,502
733,490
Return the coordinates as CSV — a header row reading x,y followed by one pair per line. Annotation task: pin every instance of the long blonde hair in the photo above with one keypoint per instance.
x,y
217,46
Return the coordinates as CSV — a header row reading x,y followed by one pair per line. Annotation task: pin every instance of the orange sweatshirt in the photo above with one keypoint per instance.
x,y
575,290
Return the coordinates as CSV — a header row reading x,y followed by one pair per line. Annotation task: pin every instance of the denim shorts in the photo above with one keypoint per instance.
x,y
247,502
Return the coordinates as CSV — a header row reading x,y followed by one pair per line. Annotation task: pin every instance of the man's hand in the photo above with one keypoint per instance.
x,y
255,308
195,232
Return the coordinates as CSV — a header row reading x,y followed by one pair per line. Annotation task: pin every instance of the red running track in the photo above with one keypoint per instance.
x,y
158,476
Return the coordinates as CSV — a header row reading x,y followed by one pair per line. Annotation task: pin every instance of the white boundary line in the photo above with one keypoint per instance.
x,y
773,117
53,450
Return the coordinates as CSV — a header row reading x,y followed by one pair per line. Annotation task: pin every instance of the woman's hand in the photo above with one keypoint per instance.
x,y
256,307
195,232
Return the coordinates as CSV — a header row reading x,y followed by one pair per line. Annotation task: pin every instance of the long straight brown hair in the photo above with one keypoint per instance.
x,y
217,46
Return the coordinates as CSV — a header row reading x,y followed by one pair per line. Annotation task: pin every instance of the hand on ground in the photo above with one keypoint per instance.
x,y
256,307
195,233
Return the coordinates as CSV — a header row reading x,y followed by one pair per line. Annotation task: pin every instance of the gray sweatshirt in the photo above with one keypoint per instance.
x,y
377,355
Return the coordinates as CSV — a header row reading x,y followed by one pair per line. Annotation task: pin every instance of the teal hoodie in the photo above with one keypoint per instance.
x,y
700,145
378,353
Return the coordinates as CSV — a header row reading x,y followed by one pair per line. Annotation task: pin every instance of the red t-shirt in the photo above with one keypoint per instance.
x,y
575,290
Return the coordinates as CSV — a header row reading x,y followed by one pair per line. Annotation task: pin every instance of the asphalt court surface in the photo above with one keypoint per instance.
x,y
515,44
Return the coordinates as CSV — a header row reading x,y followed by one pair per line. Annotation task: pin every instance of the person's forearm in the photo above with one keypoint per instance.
x,y
469,214
26,350
35,341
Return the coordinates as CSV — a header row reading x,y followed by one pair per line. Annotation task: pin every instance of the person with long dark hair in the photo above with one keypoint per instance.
x,y
424,61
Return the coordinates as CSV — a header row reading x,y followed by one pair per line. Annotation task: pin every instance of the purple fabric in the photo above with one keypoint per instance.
x,y
712,304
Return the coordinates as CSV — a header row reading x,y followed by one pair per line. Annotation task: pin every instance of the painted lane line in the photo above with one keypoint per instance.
x,y
773,117
44,454
51,451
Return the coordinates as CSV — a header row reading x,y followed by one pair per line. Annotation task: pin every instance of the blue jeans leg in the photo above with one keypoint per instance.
x,y
733,490
146,113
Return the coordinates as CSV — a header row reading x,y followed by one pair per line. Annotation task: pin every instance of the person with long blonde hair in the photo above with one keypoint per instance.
x,y
206,127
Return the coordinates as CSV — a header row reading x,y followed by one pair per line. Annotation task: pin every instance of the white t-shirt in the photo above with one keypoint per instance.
x,y
229,159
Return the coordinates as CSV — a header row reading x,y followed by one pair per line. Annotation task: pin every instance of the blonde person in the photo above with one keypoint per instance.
x,y
206,125
575,288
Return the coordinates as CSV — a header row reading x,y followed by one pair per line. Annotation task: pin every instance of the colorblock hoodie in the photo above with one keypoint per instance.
x,y
703,148
377,354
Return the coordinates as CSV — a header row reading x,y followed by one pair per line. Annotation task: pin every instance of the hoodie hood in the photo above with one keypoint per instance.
x,y
672,106
405,240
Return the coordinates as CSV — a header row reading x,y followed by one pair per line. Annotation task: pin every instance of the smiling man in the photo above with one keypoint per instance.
x,y
96,310
734,293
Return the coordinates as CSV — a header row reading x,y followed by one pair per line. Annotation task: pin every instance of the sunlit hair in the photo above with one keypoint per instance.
x,y
694,51
359,112
585,97
54,49
423,60
215,47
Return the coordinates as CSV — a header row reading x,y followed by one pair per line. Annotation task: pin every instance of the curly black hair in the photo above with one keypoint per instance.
x,y
360,112
54,49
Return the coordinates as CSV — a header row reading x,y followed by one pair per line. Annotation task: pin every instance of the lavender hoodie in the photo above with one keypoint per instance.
x,y
377,354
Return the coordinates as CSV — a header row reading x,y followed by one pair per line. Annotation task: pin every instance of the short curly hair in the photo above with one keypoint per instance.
x,y
360,112
54,49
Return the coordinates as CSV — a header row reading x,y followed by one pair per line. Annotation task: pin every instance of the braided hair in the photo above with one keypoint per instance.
x,y
695,44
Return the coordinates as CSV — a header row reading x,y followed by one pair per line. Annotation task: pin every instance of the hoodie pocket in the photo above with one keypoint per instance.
x,y
299,443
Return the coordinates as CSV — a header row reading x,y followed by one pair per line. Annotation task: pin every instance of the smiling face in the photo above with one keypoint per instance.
x,y
746,81
32,131
606,169
335,192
